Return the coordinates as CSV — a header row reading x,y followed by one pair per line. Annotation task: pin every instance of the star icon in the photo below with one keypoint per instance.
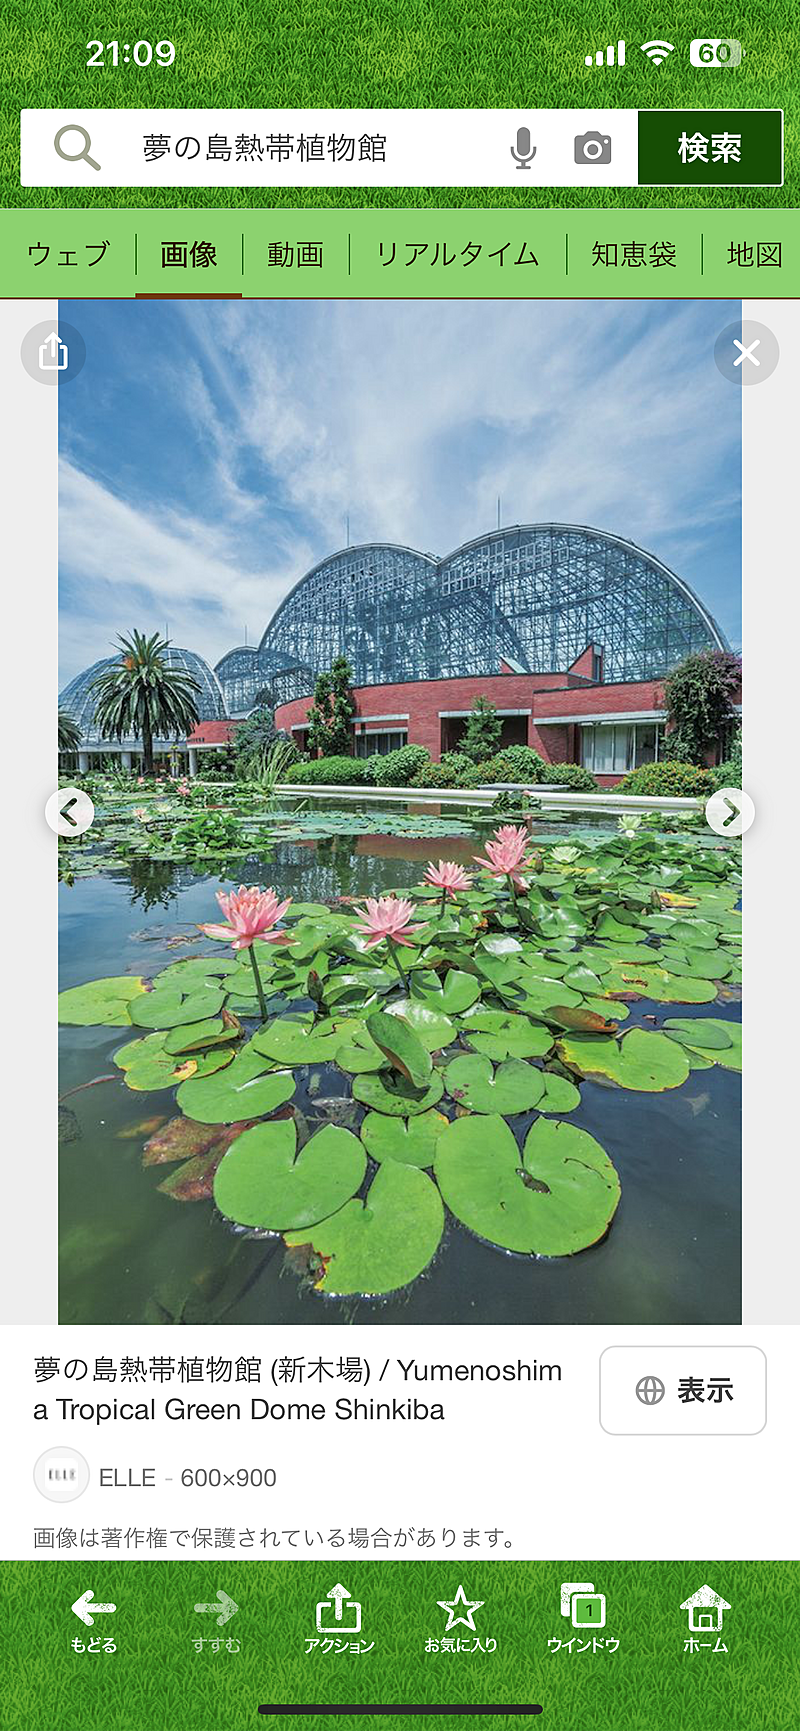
x,y
470,1606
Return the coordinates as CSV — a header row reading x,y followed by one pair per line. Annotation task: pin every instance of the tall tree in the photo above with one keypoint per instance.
x,y
482,734
699,698
141,696
69,733
330,731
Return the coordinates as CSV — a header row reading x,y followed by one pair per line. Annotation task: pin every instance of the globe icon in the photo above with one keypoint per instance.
x,y
650,1390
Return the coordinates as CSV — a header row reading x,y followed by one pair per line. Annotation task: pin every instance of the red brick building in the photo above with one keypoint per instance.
x,y
570,717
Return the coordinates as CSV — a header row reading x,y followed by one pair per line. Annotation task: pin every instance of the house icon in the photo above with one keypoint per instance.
x,y
705,1609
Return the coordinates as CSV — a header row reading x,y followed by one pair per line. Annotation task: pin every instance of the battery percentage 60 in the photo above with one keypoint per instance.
x,y
715,51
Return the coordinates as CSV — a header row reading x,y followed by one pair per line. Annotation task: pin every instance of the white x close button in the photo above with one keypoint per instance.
x,y
746,353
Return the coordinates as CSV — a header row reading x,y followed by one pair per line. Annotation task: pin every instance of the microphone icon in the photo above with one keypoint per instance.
x,y
525,151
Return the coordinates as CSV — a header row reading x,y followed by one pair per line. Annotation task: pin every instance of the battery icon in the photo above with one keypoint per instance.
x,y
716,51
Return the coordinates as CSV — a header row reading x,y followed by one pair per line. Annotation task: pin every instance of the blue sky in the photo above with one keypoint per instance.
x,y
210,453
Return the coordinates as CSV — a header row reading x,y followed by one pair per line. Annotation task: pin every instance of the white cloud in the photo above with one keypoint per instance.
x,y
412,417
126,566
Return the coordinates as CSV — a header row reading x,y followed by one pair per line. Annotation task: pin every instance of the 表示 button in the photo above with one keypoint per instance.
x,y
683,1390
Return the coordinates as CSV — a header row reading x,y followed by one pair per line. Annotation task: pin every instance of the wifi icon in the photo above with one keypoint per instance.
x,y
657,51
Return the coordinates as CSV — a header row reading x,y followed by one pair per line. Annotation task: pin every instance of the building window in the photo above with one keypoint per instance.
x,y
613,748
372,744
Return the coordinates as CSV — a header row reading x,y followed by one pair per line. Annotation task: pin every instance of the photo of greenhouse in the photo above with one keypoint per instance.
x,y
400,961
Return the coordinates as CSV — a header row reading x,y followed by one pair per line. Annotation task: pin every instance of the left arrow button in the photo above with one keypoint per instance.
x,y
87,1610
69,811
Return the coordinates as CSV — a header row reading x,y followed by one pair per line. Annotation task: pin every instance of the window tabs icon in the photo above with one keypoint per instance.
x,y
585,1608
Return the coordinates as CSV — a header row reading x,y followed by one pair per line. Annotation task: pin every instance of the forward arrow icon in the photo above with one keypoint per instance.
x,y
223,1604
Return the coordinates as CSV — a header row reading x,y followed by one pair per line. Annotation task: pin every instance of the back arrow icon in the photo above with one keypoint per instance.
x,y
84,1608
65,811
224,1605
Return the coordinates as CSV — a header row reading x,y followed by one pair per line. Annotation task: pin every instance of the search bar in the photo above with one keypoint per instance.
x,y
359,147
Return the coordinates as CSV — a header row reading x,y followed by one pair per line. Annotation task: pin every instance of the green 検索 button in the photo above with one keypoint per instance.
x,y
710,147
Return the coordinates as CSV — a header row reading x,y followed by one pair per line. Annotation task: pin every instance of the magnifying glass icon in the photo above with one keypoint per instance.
x,y
75,156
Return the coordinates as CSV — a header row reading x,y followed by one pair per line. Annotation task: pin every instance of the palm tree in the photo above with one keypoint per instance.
x,y
143,696
69,733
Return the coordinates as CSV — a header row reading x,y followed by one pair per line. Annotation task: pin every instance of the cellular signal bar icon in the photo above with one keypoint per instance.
x,y
609,56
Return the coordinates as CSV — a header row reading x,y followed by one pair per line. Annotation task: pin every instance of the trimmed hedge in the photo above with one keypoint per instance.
x,y
572,775
515,763
443,775
670,780
397,768
322,770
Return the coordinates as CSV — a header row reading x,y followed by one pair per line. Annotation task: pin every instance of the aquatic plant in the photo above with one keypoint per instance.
x,y
446,1090
449,878
250,915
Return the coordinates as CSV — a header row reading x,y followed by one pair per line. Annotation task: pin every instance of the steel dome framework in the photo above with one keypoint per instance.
x,y
536,596
78,698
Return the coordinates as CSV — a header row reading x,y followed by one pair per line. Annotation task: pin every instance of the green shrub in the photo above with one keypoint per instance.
x,y
397,768
729,773
457,762
571,775
699,698
341,771
435,775
670,780
515,763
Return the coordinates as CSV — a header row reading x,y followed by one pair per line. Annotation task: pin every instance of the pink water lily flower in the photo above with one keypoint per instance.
x,y
250,913
506,852
388,917
183,787
143,816
448,876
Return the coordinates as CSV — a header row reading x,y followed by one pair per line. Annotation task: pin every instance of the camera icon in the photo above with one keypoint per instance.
x,y
593,149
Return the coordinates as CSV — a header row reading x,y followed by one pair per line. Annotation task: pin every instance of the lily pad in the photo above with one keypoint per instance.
x,y
541,993
412,1141
103,1003
699,1034
247,1088
393,1094
430,1025
167,1007
452,995
556,1198
148,1065
401,1045
199,1036
647,1063
694,964
358,1054
564,920
383,1243
560,1095
187,975
182,1139
194,1180
264,1181
501,1036
513,1087
297,1039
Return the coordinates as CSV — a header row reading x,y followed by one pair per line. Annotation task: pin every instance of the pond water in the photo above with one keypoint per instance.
x,y
130,1254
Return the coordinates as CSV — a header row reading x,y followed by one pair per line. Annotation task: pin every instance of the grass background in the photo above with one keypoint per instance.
x,y
157,1682
393,54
